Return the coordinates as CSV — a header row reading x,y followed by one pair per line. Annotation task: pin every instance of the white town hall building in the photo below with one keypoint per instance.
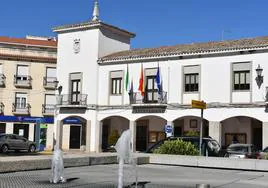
x,y
97,70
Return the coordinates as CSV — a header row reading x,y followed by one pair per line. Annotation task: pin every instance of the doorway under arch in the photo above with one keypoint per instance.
x,y
241,129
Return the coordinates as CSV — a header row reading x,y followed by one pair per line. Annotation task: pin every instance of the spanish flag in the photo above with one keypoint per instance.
x,y
141,85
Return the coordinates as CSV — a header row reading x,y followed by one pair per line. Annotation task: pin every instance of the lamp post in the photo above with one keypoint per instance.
x,y
59,89
259,78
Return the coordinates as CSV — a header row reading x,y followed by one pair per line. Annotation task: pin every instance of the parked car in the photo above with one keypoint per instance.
x,y
15,142
210,147
243,151
264,153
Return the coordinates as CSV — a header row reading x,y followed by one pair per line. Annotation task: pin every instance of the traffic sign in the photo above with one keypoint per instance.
x,y
168,129
199,104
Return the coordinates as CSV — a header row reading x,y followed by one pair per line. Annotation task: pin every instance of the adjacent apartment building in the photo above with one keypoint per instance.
x,y
107,87
27,86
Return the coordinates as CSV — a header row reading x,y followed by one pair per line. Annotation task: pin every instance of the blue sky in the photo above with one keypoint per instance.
x,y
156,22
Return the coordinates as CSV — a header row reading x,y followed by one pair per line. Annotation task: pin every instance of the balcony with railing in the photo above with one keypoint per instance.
x,y
2,80
151,102
2,107
21,108
72,100
22,81
48,109
50,82
149,98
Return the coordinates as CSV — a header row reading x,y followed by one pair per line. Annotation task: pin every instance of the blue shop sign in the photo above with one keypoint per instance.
x,y
72,121
26,119
44,120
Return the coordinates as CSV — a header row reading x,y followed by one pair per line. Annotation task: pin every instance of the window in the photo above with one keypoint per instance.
x,y
191,82
116,82
151,89
75,91
22,72
20,100
241,80
50,99
116,86
50,75
75,88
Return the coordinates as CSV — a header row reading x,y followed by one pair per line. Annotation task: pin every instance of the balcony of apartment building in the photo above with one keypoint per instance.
x,y
2,106
2,80
50,82
48,109
73,100
151,101
21,108
22,81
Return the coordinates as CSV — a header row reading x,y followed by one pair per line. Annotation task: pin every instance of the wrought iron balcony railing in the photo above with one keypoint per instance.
x,y
48,109
21,108
22,81
2,80
72,99
149,98
2,107
50,82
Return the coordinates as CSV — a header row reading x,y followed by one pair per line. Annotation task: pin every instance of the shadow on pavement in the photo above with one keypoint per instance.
x,y
16,154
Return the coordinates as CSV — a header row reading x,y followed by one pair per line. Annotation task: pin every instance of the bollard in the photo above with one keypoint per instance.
x,y
202,186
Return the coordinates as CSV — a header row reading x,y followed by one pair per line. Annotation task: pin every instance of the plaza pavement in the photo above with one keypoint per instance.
x,y
149,176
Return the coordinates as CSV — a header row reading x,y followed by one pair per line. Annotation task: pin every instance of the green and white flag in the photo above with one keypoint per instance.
x,y
127,79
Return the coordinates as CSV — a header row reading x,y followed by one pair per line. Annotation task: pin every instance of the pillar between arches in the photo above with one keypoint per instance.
x,y
88,133
215,130
264,134
133,127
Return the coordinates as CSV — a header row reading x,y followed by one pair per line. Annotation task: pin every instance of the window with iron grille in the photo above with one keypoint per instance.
x,y
116,86
191,82
241,80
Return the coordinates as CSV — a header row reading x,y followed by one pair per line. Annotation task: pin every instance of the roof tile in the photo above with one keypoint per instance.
x,y
183,49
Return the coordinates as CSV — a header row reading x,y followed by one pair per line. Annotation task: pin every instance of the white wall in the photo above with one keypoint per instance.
x,y
85,61
216,79
110,42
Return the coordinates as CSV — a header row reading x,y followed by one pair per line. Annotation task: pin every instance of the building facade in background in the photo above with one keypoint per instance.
x,y
27,86
108,87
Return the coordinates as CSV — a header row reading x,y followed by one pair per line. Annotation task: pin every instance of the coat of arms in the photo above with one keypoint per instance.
x,y
76,46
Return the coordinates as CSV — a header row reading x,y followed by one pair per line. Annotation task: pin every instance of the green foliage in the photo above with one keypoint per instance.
x,y
192,133
266,156
177,147
113,137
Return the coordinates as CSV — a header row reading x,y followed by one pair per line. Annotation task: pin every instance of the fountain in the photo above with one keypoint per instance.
x,y
123,149
57,167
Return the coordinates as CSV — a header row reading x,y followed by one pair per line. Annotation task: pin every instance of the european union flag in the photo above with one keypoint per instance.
x,y
158,81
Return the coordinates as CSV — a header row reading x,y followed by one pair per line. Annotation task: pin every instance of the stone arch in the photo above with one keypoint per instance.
x,y
111,128
73,133
149,130
241,129
190,124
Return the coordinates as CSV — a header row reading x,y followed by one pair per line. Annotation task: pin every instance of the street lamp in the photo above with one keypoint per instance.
x,y
58,102
259,78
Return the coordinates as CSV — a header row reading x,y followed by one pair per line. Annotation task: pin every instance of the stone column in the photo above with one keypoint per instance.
x,y
215,130
264,134
59,134
88,135
133,127
49,144
65,137
98,136
9,128
31,131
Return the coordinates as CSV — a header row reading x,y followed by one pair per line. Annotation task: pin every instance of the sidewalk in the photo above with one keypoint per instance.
x,y
43,160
